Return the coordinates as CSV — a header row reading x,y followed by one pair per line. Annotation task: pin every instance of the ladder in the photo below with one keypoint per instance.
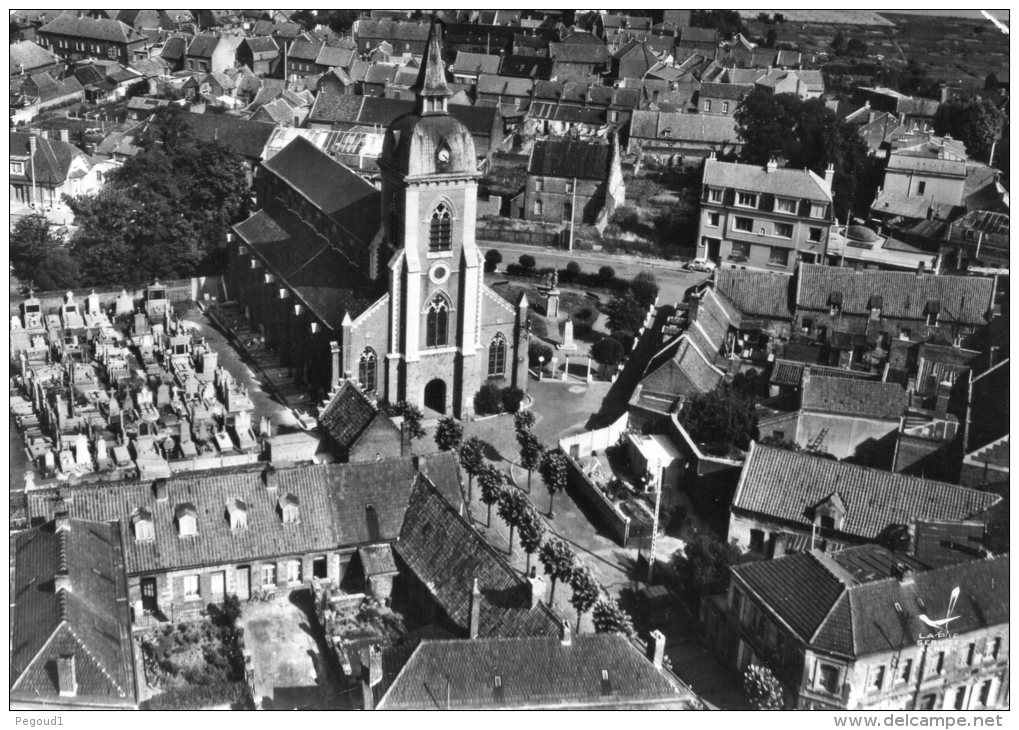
x,y
818,440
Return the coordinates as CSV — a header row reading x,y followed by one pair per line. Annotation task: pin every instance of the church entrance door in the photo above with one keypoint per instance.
x,y
435,396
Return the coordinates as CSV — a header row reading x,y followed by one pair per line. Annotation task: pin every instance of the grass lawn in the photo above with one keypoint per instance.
x,y
191,654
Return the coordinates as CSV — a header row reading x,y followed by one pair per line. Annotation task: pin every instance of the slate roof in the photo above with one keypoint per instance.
x,y
242,136
713,90
389,29
681,369
787,486
93,29
333,56
534,672
854,397
30,55
467,63
568,158
926,165
690,34
203,45
905,295
504,85
854,615
754,178
91,622
302,50
790,373
262,47
756,293
348,414
52,157
678,127
332,188
377,560
530,67
573,52
174,48
447,555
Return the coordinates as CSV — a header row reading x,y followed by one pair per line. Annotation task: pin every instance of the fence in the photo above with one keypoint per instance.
x,y
589,442
591,499
177,290
496,233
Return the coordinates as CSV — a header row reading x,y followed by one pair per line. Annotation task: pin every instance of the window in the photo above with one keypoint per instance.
x,y
217,584
268,575
437,324
143,529
778,256
539,185
17,168
971,651
906,669
960,698
828,678
740,251
927,702
713,219
778,435
757,540
707,105
814,235
187,520
293,571
289,507
725,107
538,207
938,665
497,356
191,588
367,370
785,205
994,649
784,230
568,212
817,210
440,233
878,680
827,524
715,196
569,186
746,200
932,319
985,692
743,224
920,187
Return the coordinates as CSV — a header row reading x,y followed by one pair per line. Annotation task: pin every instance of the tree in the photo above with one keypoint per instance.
x,y
610,618
586,591
472,458
527,261
838,43
624,313
537,350
645,288
977,122
412,417
531,453
607,351
770,38
512,506
532,531
763,689
719,420
572,271
523,421
705,561
448,434
559,562
491,481
511,397
856,47
554,472
606,273
39,256
492,259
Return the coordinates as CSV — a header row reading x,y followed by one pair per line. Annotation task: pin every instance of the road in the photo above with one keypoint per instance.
x,y
673,281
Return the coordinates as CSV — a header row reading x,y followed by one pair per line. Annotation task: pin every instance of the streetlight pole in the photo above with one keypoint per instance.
x,y
573,212
654,525
541,366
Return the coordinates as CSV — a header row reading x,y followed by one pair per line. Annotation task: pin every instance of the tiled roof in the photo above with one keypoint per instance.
x,y
302,50
29,55
388,29
853,397
203,45
377,560
262,44
334,57
756,293
52,157
854,615
680,370
567,158
504,85
926,165
92,29
578,53
534,672
90,622
475,63
788,486
447,555
754,178
242,136
790,372
690,34
713,90
348,414
988,407
335,190
904,295
673,126
370,499
174,49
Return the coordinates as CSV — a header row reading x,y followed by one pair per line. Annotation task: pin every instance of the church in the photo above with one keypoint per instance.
x,y
382,288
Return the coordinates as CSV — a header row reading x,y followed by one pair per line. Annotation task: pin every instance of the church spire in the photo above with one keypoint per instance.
x,y
430,87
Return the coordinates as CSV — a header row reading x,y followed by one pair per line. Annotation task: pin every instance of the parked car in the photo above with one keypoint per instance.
x,y
701,264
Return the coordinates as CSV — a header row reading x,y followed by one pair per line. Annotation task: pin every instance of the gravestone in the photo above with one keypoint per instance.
x,y
568,343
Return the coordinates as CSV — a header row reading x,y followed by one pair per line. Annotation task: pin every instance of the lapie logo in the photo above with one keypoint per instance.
x,y
939,630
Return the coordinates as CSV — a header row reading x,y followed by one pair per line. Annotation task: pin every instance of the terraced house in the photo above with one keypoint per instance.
x,y
763,217
73,38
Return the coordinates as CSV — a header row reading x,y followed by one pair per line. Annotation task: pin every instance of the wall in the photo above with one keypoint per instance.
x,y
587,443
942,189
593,501
177,290
847,436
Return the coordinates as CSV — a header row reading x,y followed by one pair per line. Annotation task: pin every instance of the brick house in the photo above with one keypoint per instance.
x,y
73,38
43,170
70,621
787,500
914,185
720,98
763,298
861,637
260,54
666,135
212,53
355,427
563,173
763,217
406,37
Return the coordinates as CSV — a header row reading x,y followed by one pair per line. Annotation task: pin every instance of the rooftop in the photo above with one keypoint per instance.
x,y
780,181
854,397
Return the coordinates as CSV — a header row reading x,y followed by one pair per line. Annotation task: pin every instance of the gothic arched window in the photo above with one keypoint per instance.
x,y
497,356
440,231
437,328
367,370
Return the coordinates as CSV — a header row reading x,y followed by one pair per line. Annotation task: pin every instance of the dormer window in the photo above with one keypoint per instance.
x,y
289,507
237,514
785,205
835,303
875,304
187,520
144,530
932,310
746,200
715,195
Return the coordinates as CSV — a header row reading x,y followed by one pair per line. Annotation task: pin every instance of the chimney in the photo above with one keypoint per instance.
x,y
829,175
371,674
902,573
65,136
272,481
771,166
565,635
420,464
475,619
919,268
536,585
66,679
941,396
62,582
162,494
656,648
62,521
